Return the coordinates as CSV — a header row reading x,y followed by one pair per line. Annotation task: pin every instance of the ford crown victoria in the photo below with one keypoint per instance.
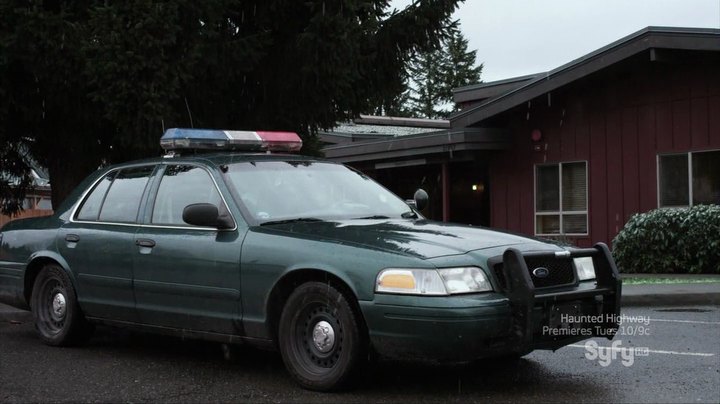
x,y
294,253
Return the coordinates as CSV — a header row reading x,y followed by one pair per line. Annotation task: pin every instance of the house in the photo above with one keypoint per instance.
x,y
574,152
37,200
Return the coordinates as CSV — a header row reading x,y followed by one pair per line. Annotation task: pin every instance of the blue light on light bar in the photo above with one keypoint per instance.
x,y
209,139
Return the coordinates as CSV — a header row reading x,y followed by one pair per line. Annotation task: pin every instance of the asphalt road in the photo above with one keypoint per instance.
x,y
682,365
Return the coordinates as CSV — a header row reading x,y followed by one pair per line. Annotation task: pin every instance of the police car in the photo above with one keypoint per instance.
x,y
224,239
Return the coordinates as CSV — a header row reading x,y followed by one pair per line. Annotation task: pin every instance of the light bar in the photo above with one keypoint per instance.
x,y
210,139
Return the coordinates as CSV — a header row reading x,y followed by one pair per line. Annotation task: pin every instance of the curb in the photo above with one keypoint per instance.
x,y
671,299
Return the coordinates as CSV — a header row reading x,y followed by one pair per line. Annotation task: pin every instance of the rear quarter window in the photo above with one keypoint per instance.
x,y
123,198
90,209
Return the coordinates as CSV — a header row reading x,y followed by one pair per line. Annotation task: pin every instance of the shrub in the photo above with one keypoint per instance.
x,y
670,240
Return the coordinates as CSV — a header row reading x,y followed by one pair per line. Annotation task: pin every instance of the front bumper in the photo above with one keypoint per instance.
x,y
519,320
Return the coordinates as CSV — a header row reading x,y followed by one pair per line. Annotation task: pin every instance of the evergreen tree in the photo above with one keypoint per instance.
x,y
426,88
459,68
91,82
46,109
396,105
15,179
436,72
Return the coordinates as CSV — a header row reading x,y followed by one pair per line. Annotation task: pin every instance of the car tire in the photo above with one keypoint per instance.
x,y
319,337
56,313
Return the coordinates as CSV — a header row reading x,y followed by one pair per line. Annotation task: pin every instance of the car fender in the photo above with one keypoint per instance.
x,y
316,266
46,254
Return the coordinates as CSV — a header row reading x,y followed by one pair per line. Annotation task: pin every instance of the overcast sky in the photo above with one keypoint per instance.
x,y
519,37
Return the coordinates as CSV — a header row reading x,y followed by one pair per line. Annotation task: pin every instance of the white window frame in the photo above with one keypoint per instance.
x,y
689,154
561,212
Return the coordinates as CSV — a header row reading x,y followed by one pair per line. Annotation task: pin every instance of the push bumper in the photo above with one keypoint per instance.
x,y
519,320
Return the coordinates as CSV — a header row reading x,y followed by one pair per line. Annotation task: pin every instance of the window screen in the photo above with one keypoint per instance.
x,y
548,224
548,189
673,172
706,178
561,198
574,187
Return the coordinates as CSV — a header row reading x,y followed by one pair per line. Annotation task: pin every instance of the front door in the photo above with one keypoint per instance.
x,y
187,277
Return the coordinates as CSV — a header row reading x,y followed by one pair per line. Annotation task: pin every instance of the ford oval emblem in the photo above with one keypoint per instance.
x,y
541,272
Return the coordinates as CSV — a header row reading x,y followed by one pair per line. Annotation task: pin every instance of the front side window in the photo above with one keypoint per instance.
x,y
561,199
688,179
122,201
182,185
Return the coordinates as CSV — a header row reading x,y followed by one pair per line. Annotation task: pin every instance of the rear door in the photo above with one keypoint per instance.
x,y
98,243
187,277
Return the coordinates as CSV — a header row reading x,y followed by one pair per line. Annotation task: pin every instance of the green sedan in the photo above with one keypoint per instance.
x,y
305,256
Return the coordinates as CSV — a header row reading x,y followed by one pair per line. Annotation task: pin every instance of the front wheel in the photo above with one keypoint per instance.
x,y
57,316
319,336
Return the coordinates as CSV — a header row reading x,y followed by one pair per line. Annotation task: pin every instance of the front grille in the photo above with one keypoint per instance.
x,y
560,272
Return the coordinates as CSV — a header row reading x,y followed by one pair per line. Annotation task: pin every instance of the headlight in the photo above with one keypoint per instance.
x,y
464,280
441,282
585,268
410,281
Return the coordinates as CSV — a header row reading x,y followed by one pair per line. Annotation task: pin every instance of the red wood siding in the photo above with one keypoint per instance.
x,y
618,122
614,171
647,144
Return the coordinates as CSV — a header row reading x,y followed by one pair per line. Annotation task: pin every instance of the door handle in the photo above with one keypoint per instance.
x,y
72,238
145,242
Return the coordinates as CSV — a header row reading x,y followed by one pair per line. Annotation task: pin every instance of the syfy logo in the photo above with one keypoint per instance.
x,y
606,355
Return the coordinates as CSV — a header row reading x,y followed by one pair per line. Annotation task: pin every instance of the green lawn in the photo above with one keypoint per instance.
x,y
629,280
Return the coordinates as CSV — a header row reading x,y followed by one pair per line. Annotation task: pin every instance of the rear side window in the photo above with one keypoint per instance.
x,y
182,185
91,207
123,198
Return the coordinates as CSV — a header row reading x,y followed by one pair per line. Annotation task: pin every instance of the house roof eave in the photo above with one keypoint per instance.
x,y
651,37
428,143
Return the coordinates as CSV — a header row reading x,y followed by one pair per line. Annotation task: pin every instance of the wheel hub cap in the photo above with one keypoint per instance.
x,y
323,336
59,305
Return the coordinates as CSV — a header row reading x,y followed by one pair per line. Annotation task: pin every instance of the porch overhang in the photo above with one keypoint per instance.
x,y
446,141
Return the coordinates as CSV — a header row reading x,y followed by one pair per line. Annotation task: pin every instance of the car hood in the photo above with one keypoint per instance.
x,y
420,238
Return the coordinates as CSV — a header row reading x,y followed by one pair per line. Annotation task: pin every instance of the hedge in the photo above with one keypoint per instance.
x,y
670,240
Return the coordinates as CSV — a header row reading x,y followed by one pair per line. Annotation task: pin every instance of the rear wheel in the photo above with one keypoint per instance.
x,y
57,316
320,339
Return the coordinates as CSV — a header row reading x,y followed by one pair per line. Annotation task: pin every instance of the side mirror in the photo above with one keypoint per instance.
x,y
421,199
206,215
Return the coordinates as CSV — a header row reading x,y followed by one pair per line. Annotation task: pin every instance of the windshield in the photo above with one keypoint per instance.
x,y
281,190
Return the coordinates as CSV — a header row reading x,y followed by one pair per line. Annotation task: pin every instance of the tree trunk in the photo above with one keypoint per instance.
x,y
65,176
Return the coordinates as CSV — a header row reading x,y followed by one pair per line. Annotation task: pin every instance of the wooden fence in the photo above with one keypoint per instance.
x,y
24,214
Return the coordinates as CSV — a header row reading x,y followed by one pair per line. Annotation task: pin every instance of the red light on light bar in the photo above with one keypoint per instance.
x,y
280,141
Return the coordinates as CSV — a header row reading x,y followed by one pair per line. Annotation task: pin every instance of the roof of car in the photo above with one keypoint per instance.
x,y
217,158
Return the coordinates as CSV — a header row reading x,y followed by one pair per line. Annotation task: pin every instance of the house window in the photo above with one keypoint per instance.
x,y
561,199
688,179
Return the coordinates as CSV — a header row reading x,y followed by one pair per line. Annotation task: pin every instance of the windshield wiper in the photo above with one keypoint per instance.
x,y
294,220
409,215
373,217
